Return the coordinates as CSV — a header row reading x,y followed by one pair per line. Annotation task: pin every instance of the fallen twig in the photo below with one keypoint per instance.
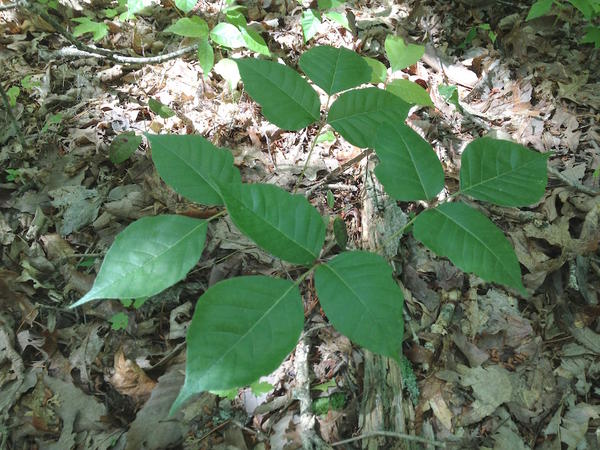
x,y
403,436
573,183
85,50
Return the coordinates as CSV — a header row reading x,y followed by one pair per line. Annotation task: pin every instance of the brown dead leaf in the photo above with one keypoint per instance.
x,y
129,379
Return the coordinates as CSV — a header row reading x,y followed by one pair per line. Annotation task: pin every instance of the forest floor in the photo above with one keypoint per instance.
x,y
492,369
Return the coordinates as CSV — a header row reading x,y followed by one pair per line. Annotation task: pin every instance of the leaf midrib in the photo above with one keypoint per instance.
x,y
273,227
125,274
502,174
466,230
245,335
276,87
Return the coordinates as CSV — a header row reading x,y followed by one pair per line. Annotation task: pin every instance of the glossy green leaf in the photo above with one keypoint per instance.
x,y
311,22
158,108
123,146
227,35
379,71
409,169
254,41
193,27
286,98
357,114
206,56
362,301
193,167
503,172
410,92
284,224
186,5
471,241
242,328
402,55
148,256
334,69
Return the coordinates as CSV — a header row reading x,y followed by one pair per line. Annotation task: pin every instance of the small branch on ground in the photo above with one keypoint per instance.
x,y
341,169
84,50
403,436
310,439
573,183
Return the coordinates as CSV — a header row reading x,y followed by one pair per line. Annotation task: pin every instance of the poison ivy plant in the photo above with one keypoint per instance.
x,y
244,327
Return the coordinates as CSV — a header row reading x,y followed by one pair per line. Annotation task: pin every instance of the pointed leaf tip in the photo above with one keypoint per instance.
x,y
148,256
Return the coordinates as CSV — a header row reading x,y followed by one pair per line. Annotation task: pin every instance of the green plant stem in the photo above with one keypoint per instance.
x,y
217,215
11,116
401,231
312,147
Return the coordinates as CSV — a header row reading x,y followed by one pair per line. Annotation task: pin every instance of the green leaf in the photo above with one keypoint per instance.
x,y
228,69
379,71
193,167
158,108
311,22
12,93
539,8
330,199
410,92
401,55
193,27
227,35
334,69
254,41
206,56
584,6
186,5
148,256
242,329
235,15
134,6
329,4
339,18
471,241
328,136
119,321
357,114
123,146
286,98
503,172
592,36
409,169
450,95
362,301
86,25
340,232
284,224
